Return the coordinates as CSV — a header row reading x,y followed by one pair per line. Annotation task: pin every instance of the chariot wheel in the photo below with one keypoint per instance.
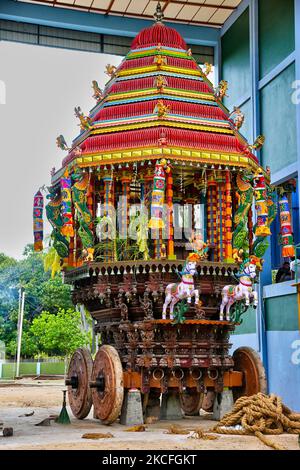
x,y
79,375
107,384
191,401
247,360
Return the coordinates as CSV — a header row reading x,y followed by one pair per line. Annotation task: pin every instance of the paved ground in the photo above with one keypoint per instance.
x,y
45,398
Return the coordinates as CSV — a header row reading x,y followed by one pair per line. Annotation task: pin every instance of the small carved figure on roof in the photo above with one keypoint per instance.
x,y
158,47
189,52
161,109
238,117
160,60
98,93
78,151
207,69
258,144
221,90
163,139
85,121
161,82
110,70
61,143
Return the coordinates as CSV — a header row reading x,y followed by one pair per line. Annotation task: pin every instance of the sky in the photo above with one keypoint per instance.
x,y
39,88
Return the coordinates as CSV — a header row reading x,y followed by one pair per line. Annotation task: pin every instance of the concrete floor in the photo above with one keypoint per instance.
x,y
45,398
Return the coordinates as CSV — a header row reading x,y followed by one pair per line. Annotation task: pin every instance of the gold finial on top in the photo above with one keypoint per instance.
x,y
158,15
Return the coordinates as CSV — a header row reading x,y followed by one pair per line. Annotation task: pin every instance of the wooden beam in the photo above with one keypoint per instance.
x,y
197,4
129,14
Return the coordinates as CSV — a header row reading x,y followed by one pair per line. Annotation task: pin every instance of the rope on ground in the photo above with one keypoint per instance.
x,y
260,415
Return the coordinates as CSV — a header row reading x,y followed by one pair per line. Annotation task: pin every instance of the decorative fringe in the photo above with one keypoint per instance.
x,y
38,246
288,251
38,229
66,183
286,228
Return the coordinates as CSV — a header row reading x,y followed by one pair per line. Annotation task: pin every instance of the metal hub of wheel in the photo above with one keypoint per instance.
x,y
79,374
107,384
191,401
247,360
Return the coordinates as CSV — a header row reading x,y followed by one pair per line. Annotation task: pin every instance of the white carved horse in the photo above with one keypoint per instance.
x,y
184,290
244,290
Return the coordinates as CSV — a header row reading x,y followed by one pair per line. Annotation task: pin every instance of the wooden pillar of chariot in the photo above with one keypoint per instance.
x,y
164,312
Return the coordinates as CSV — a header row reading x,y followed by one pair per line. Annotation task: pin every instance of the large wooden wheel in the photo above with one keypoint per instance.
x,y
191,401
107,384
247,360
79,375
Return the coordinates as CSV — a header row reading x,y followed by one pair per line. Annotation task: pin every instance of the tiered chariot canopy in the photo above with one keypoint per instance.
x,y
160,136
159,102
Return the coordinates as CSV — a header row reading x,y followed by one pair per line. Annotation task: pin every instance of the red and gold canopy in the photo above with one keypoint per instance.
x,y
159,103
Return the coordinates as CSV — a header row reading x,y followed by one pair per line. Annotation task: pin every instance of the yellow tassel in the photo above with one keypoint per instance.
x,y
262,231
156,224
38,246
67,231
288,251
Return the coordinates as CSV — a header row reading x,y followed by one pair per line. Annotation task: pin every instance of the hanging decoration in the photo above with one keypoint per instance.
x,y
286,227
79,193
38,229
244,194
262,228
54,215
66,184
158,195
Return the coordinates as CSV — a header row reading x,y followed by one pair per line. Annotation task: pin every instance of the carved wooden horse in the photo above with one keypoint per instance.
x,y
183,290
244,290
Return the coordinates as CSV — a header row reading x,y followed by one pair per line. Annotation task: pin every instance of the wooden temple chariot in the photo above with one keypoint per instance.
x,y
160,138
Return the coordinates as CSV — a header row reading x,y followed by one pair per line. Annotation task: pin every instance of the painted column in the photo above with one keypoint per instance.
x,y
108,205
124,222
169,199
212,213
228,220
221,215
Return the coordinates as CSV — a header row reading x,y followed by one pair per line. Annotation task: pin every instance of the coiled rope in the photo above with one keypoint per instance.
x,y
260,415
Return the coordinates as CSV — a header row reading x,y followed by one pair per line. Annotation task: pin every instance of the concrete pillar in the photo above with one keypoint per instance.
x,y
223,404
132,411
170,406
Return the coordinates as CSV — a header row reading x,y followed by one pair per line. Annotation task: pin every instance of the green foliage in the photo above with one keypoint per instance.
x,y
61,332
42,293
179,311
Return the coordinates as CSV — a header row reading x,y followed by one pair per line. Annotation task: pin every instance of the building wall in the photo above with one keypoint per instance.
x,y
262,51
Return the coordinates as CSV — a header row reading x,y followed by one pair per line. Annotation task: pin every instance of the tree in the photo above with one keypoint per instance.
x,y
42,293
59,333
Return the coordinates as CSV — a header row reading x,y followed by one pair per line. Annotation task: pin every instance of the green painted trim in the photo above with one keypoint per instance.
x,y
282,313
236,60
249,323
276,33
